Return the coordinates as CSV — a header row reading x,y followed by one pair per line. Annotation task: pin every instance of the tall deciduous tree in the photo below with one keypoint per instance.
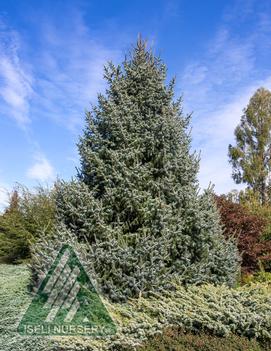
x,y
251,157
137,200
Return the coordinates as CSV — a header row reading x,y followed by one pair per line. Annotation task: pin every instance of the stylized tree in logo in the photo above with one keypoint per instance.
x,y
67,302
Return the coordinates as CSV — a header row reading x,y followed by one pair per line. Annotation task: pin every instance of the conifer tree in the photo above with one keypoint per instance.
x,y
136,199
27,215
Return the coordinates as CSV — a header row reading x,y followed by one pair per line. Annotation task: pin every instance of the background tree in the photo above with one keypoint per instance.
x,y
251,157
248,228
136,200
27,216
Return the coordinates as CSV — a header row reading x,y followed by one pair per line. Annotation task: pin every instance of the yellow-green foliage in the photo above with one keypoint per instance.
x,y
250,200
259,277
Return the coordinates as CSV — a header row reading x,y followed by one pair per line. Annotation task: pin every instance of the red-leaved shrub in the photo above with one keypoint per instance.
x,y
247,228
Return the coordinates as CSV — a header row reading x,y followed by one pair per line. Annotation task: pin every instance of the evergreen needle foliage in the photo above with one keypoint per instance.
x,y
148,324
136,199
27,214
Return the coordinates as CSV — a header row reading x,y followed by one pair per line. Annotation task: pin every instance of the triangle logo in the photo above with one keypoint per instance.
x,y
67,303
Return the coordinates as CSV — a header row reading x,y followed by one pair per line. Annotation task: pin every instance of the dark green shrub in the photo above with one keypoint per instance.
x,y
27,214
176,340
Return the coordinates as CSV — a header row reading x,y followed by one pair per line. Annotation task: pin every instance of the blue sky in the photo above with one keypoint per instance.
x,y
51,65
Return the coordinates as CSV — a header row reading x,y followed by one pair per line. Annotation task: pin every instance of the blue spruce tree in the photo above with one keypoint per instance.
x,y
136,200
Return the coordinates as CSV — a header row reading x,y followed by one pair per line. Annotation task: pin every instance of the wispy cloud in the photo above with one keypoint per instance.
x,y
3,197
51,85
41,170
72,71
216,131
15,82
226,63
217,87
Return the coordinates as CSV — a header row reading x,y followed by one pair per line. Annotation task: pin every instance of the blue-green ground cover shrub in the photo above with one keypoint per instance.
x,y
217,311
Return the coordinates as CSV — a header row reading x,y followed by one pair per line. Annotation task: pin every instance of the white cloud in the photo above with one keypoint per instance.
x,y
72,72
41,170
225,64
217,86
195,73
56,81
4,197
216,132
15,83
